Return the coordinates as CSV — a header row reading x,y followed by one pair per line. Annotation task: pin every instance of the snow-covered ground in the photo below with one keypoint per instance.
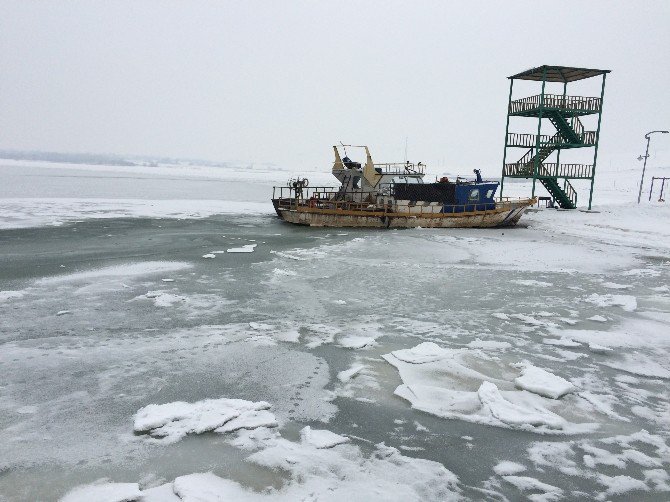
x,y
164,337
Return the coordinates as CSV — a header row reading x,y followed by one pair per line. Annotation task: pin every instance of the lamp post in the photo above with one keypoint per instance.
x,y
646,155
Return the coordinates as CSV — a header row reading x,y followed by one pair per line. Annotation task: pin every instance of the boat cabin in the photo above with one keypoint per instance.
x,y
455,196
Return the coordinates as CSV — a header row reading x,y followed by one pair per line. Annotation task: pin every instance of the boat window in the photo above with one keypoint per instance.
x,y
474,194
489,194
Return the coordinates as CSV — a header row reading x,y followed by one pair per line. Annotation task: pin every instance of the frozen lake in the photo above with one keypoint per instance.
x,y
495,364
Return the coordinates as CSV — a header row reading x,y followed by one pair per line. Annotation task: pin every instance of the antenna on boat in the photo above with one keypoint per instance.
x,y
405,149
344,148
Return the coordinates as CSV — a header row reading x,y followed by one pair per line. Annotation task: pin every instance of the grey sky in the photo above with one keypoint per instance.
x,y
283,81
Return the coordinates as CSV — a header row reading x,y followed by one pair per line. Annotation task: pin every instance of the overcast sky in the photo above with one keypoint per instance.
x,y
280,81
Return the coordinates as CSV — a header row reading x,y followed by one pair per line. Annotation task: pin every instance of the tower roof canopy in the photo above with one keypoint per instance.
x,y
558,73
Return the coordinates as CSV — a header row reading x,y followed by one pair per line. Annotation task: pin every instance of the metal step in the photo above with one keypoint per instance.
x,y
563,199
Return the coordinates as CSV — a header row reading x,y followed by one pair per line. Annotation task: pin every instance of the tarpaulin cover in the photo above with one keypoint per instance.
x,y
428,192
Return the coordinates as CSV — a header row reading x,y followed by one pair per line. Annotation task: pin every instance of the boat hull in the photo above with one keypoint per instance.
x,y
499,217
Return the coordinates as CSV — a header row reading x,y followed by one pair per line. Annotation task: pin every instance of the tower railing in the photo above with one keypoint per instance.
x,y
588,138
570,192
549,169
558,101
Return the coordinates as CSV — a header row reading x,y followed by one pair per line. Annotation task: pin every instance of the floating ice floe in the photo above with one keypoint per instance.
x,y
626,302
443,382
542,382
163,298
116,271
597,318
561,342
321,466
193,305
209,255
247,248
532,321
346,375
360,335
104,492
508,468
321,438
642,272
519,414
10,295
172,421
532,283
618,485
528,484
644,331
359,378
603,403
356,342
599,349
614,285
284,272
488,344
583,458
318,334
638,364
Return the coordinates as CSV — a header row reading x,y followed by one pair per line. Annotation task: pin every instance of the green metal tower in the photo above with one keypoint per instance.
x,y
563,111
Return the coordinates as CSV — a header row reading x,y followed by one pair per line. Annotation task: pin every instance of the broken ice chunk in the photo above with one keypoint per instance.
x,y
247,248
321,438
172,421
104,492
346,375
542,382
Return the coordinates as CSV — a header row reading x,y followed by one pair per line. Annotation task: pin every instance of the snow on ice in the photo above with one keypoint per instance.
x,y
172,421
626,302
321,466
104,492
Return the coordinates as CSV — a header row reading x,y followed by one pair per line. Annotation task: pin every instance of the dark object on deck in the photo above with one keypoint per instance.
x,y
428,192
350,164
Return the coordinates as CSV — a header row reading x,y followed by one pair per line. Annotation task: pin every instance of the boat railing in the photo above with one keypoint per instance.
x,y
400,168
373,203
289,192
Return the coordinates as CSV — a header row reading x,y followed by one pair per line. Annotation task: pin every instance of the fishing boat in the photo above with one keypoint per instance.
x,y
394,195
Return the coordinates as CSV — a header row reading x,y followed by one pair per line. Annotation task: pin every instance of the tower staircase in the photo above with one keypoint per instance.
x,y
563,112
568,132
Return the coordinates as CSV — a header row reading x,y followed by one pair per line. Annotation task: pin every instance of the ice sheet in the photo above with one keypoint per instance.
x,y
324,305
